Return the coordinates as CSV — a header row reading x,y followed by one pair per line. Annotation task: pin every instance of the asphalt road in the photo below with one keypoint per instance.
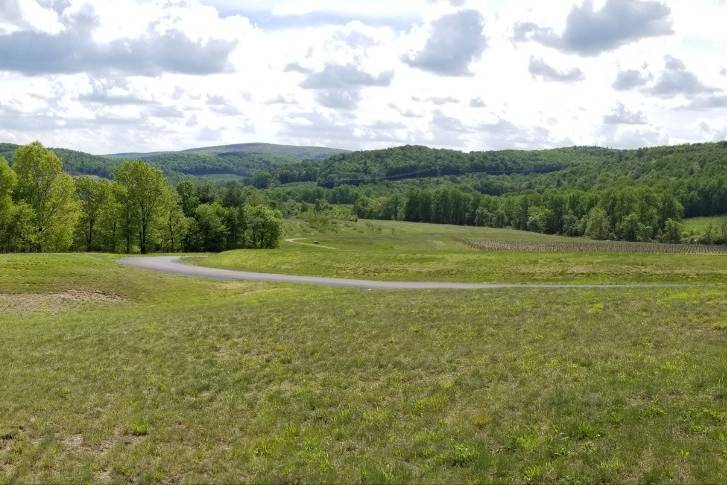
x,y
174,265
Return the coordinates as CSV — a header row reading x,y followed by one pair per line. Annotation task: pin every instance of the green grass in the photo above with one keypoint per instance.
x,y
114,373
406,251
698,225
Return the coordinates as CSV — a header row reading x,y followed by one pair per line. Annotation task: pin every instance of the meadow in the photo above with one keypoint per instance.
x,y
699,226
391,250
110,373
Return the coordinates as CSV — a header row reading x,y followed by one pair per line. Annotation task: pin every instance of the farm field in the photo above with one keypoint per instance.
x,y
391,250
110,373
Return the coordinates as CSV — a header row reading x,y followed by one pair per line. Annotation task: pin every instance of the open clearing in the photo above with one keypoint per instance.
x,y
176,379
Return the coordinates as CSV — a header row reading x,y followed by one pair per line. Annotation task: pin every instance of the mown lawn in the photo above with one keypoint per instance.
x,y
405,251
110,373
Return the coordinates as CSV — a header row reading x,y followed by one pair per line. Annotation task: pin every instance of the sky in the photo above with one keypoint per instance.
x,y
107,76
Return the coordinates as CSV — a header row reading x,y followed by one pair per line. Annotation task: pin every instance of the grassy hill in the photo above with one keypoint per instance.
x,y
116,374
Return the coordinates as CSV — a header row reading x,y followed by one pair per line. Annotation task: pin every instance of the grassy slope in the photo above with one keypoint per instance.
x,y
200,381
406,251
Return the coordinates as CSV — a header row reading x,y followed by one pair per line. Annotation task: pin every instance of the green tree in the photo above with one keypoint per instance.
x,y
188,197
598,225
124,218
265,226
50,193
628,229
175,224
672,232
143,198
261,180
209,231
8,180
94,195
18,232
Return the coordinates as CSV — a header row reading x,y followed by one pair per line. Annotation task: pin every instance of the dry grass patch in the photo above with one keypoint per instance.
x,y
23,303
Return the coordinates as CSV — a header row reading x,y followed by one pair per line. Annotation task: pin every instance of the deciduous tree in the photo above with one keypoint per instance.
x,y
50,193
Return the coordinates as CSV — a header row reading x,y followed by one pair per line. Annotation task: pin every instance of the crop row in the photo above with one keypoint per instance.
x,y
590,246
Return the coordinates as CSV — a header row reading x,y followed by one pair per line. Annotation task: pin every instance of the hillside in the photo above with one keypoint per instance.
x,y
696,173
74,162
291,152
416,162
220,163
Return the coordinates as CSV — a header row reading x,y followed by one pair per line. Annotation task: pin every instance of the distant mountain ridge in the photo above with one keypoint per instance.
x,y
289,151
217,163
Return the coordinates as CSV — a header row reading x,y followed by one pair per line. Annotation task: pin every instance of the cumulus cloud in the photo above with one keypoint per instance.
x,y
677,80
708,102
630,79
339,86
113,92
345,76
590,32
625,136
165,112
455,42
295,67
496,134
623,116
75,50
312,128
538,68
282,100
332,72
442,100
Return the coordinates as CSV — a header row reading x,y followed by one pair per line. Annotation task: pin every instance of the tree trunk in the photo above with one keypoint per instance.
x,y
89,239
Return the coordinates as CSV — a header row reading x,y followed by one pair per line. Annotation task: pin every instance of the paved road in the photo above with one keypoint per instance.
x,y
174,265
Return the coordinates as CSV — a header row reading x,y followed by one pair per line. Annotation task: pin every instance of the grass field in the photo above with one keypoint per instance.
x,y
110,373
698,225
405,251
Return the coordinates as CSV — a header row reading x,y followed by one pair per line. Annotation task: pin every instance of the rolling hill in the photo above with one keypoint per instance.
x,y
218,163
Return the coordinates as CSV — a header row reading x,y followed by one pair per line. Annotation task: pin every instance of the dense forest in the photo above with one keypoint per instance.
x,y
416,162
43,209
633,195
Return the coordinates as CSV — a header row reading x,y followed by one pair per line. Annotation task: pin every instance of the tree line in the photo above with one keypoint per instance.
x,y
628,213
43,209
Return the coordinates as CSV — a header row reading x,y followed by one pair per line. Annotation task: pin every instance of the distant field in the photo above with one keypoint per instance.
x,y
406,251
582,245
697,225
110,373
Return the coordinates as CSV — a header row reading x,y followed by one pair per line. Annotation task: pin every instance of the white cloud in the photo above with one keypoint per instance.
x,y
358,74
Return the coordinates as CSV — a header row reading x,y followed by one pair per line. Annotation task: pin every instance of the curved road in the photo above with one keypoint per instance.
x,y
174,265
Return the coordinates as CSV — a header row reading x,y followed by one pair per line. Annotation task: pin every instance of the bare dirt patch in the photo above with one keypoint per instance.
x,y
22,303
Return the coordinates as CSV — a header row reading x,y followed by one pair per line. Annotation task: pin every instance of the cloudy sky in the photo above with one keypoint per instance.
x,y
139,75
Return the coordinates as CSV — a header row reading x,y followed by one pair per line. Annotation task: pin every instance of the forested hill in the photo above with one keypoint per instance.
x,y
229,162
74,162
689,171
575,166
414,162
